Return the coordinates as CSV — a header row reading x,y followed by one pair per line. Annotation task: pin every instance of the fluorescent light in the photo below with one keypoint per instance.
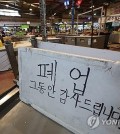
x,y
92,6
54,13
30,9
66,3
89,18
30,13
106,3
7,12
7,5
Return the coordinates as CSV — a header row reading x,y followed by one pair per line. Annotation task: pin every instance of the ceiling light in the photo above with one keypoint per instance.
x,y
30,9
30,13
66,3
6,12
7,5
37,3
89,18
92,6
54,14
106,3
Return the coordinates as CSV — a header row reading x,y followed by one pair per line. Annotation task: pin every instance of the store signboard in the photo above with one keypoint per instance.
x,y
114,24
113,19
79,92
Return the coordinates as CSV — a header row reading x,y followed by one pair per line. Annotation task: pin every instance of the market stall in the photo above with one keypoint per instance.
x,y
85,41
4,61
50,39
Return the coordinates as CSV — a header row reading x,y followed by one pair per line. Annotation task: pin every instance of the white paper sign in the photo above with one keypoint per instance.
x,y
80,93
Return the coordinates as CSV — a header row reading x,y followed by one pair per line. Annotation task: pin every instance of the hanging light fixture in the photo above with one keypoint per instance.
x,y
66,3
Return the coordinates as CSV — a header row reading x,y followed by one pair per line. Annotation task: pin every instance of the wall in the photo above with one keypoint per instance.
x,y
70,88
113,9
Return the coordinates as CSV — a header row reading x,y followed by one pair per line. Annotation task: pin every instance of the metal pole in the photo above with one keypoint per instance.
x,y
12,58
51,22
100,21
83,27
73,8
92,23
43,19
77,23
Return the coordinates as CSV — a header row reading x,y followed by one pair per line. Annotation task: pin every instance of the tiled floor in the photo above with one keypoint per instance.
x,y
6,81
23,119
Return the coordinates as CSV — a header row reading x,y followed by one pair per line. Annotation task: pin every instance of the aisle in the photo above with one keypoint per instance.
x,y
23,119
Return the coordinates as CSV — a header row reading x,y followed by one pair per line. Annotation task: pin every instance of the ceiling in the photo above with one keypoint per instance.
x,y
28,8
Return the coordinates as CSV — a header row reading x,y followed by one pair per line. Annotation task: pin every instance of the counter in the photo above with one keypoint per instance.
x,y
4,61
85,41
18,44
51,39
115,38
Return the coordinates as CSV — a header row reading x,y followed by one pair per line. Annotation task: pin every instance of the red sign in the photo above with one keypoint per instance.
x,y
78,2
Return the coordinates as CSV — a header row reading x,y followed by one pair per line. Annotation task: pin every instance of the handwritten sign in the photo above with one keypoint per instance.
x,y
71,89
